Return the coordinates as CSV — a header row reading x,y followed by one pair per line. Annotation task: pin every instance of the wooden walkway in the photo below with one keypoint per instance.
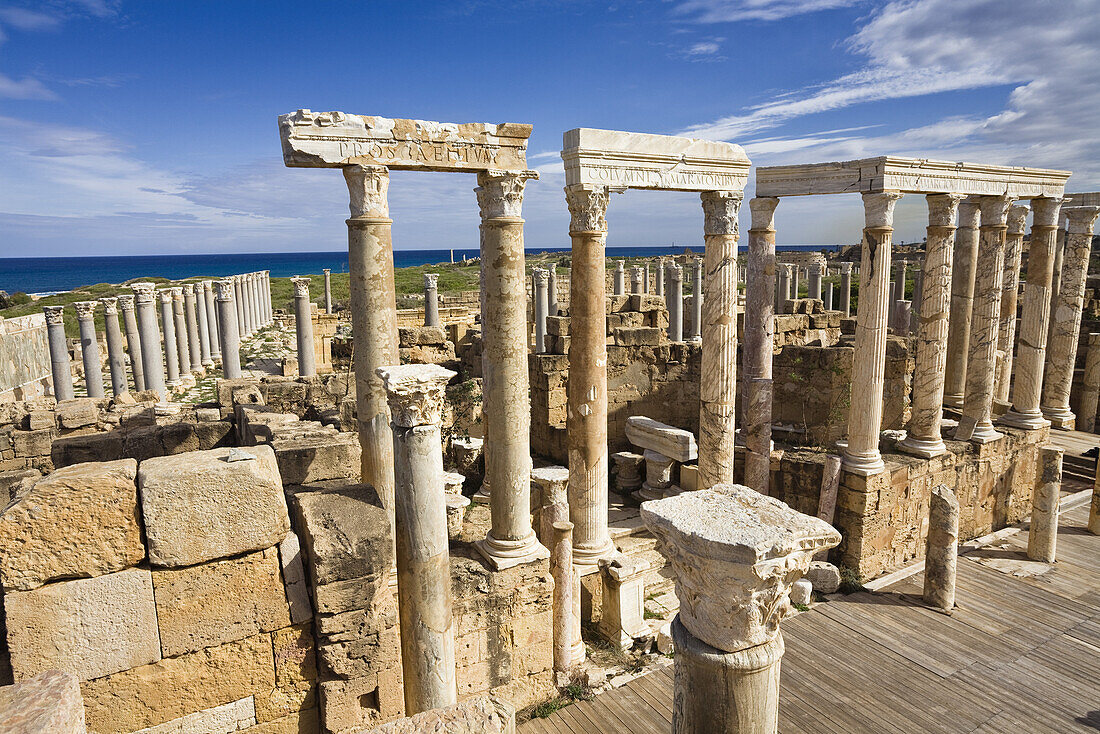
x,y
1020,654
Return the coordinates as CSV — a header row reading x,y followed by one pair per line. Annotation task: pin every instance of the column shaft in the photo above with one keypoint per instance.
x,y
152,358
675,293
962,300
759,344
133,340
431,300
846,289
203,326
191,317
1090,389
552,286
328,291
183,354
212,329
89,348
238,301
60,364
1010,289
227,329
116,353
171,346
303,323
698,296
541,306
1042,537
942,549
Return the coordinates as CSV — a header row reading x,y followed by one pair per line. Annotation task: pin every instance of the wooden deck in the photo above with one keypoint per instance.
x,y
1020,654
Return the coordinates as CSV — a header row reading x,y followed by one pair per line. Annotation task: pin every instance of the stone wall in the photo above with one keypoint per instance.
x,y
25,371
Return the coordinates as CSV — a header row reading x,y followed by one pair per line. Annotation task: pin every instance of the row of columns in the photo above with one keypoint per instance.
x,y
786,287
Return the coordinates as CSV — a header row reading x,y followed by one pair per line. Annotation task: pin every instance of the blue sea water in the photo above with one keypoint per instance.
x,y
53,274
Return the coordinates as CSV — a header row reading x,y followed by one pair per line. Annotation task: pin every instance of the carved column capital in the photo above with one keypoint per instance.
x,y
995,210
55,315
943,209
846,268
720,209
500,193
368,189
587,207
85,310
970,212
879,209
431,281
126,302
1046,211
144,292
540,275
208,286
301,287
1081,219
636,274
176,293
110,305
224,288
676,273
1017,219
415,393
762,209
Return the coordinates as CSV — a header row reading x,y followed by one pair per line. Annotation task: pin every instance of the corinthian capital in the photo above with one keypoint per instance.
x,y
943,208
1017,218
54,315
110,305
500,193
995,210
1046,212
416,393
301,287
224,288
1081,218
368,187
878,209
720,210
144,292
431,281
970,212
85,310
126,302
587,207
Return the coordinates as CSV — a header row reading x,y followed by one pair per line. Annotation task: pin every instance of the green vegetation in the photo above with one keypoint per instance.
x,y
850,581
800,607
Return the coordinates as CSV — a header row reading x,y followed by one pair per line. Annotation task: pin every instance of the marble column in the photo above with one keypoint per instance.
x,y
636,279
328,291
1010,289
152,357
205,360
1035,318
918,298
116,353
565,577
976,423
586,415
1066,319
238,302
796,271
815,281
660,286
861,455
431,300
1090,388
697,298
171,346
133,340
89,348
257,312
676,304
784,287
759,341
645,278
267,296
506,403
717,313
303,327
373,320
227,328
183,348
191,317
1055,284
416,395
247,282
1042,537
962,301
212,321
829,296
60,364
541,306
942,549
846,289
552,287
923,432
620,278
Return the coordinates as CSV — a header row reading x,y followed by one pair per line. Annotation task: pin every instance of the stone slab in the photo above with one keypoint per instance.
x,y
228,718
48,702
294,579
317,458
675,443
345,533
482,714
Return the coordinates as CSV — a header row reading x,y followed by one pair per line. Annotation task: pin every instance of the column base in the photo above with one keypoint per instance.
x,y
1061,418
208,364
587,560
985,433
502,554
924,447
862,464
954,401
481,496
1031,421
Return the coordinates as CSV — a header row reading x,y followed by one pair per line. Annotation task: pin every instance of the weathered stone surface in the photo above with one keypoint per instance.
x,y
78,412
305,722
478,715
345,532
16,483
218,602
801,592
199,506
48,703
69,450
352,705
317,458
225,719
174,687
416,336
670,441
824,576
32,443
79,521
295,675
294,579
89,627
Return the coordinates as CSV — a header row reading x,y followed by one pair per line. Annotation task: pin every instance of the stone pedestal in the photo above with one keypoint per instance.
x,y
183,347
622,607
303,327
697,297
845,305
942,549
962,300
1090,390
328,292
133,340
658,475
431,300
675,304
227,329
89,348
416,396
116,354
815,281
1042,538
1010,289
152,359
619,283
541,306
212,321
60,364
191,319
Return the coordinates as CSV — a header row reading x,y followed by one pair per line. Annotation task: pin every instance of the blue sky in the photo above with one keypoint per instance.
x,y
150,127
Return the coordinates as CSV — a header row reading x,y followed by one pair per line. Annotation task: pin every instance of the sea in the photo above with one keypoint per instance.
x,y
46,275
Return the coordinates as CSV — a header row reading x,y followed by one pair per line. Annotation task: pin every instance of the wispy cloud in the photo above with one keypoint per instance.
x,y
726,11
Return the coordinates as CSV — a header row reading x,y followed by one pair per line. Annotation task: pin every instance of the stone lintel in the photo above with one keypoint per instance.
x,y
1091,198
337,139
909,175
643,161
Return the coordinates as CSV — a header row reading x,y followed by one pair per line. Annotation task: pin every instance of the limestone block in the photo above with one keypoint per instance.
x,y
70,450
16,483
635,337
303,460
78,412
294,578
211,504
801,592
689,477
356,704
47,703
39,419
482,714
79,521
345,533
421,336
225,719
175,687
220,601
32,443
295,675
824,577
89,627
670,441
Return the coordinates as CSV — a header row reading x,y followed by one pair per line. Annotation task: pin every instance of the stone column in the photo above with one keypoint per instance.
x,y
565,578
552,287
586,414
133,340
829,296
861,455
636,279
734,554
942,549
675,304
1042,537
506,403
645,278
715,307
60,364
267,295
205,360
815,281
116,353
416,395
373,319
783,288
183,349
152,358
171,346
303,323
620,278
918,297
976,423
227,329
328,291
660,286
759,341
697,299
191,318
923,436
1066,319
258,317
846,289
1010,289
431,300
795,272
89,348
542,305
238,301
1055,284
212,321
250,303
962,300
1090,390
1034,321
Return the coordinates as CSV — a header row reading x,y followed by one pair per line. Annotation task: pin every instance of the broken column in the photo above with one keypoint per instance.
x,y
1010,289
565,582
1090,389
735,554
962,300
116,354
191,318
431,300
541,306
1042,537
152,358
675,303
759,341
942,549
89,348
227,329
416,395
636,279
328,291
60,364
303,327
846,289
133,340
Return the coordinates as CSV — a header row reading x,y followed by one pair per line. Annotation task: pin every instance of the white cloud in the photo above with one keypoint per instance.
x,y
725,11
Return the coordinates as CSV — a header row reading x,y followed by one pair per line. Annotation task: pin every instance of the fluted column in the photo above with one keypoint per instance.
x,y
1090,385
645,278
510,541
923,435
191,317
659,288
718,314
846,289
759,344
133,340
203,323
211,321
1066,320
60,364
541,305
586,414
303,323
1010,289
431,299
116,353
183,348
373,320
265,296
152,357
552,288
238,302
697,297
976,423
258,318
89,348
328,291
227,328
962,301
861,455
248,280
